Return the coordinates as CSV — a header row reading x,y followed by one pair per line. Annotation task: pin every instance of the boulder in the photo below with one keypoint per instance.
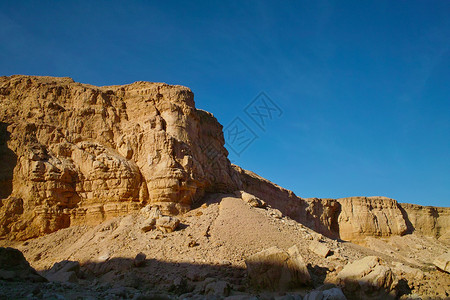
x,y
14,267
252,200
167,224
442,262
276,269
64,271
321,249
368,276
139,260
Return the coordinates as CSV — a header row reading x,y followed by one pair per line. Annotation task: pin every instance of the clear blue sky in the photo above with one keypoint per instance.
x,y
364,86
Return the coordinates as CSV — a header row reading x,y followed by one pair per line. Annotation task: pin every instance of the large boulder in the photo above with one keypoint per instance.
x,y
368,277
319,248
64,271
442,262
276,269
251,199
14,267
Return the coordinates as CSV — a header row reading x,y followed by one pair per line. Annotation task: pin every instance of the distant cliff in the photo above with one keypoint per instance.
x,y
352,218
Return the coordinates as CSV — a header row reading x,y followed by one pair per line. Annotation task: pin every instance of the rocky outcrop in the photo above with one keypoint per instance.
x,y
14,267
427,220
369,216
78,154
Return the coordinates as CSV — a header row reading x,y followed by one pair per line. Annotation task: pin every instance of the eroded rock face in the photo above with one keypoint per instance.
x,y
78,154
370,216
428,220
352,218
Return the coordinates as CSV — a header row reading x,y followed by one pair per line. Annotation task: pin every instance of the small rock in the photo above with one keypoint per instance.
x,y
276,213
251,199
321,249
147,228
317,237
151,212
167,224
139,260
193,244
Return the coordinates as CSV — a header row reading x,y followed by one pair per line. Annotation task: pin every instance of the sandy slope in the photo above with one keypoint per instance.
x,y
213,241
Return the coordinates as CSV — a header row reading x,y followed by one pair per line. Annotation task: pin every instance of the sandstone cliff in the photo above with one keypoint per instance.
x,y
352,218
427,220
74,153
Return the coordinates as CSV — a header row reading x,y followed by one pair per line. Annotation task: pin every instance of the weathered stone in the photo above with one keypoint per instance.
x,y
367,275
139,260
64,271
251,199
275,269
321,249
147,228
370,216
442,262
167,223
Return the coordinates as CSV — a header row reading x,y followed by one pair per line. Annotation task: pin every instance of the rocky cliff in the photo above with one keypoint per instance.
x,y
352,218
74,153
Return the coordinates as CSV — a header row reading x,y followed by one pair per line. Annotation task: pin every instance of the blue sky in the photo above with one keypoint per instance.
x,y
363,86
